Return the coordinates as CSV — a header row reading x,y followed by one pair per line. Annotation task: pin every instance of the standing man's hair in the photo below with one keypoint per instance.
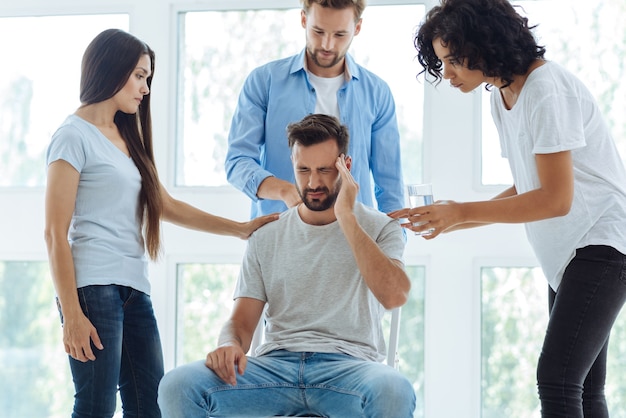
x,y
359,5
317,128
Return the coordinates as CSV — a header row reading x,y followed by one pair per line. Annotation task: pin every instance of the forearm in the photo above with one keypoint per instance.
x,y
531,206
188,216
511,191
385,277
231,334
63,276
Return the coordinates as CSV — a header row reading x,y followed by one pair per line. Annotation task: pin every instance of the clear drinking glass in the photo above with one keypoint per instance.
x,y
420,195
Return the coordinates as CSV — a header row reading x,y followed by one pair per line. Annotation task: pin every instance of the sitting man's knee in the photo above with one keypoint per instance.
x,y
169,387
178,387
401,388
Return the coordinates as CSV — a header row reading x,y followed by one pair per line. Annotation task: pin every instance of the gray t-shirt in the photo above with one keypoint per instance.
x,y
317,300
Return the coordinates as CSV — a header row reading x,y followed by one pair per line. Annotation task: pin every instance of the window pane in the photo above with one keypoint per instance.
x,y
214,67
495,169
581,36
205,300
411,342
385,46
514,321
39,86
35,379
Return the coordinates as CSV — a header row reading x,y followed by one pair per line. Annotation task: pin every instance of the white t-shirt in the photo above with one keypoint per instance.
x,y
105,231
317,300
556,112
326,93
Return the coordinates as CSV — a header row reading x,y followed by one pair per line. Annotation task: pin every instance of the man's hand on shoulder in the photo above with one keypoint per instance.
x,y
276,189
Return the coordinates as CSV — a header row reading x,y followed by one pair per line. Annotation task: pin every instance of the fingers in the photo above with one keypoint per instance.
x,y
222,362
80,353
87,351
417,221
293,197
267,219
344,171
249,227
410,214
78,341
349,185
243,363
400,213
96,339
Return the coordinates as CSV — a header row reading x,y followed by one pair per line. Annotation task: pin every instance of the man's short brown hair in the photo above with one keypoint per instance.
x,y
359,5
317,128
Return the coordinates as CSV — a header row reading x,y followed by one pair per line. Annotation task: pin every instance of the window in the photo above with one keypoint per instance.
x,y
33,382
39,86
204,303
514,320
439,363
581,36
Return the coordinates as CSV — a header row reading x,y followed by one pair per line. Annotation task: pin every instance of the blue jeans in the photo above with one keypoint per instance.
x,y
572,366
131,359
292,384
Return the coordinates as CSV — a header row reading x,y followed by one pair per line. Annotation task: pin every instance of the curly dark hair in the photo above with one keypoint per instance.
x,y
486,35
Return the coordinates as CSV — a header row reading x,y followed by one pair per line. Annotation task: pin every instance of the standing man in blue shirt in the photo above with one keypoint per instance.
x,y
323,78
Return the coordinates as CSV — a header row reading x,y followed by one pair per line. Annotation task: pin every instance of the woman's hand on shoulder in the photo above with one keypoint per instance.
x,y
249,227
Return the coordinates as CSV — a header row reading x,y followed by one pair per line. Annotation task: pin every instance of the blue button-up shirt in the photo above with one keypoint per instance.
x,y
279,93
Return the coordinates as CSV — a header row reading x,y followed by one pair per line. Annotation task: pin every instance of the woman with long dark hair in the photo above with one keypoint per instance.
x,y
104,206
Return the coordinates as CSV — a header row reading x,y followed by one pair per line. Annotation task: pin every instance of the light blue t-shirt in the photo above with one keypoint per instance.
x,y
279,93
105,231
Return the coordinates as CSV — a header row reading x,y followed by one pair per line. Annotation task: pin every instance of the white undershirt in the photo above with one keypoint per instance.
x,y
326,93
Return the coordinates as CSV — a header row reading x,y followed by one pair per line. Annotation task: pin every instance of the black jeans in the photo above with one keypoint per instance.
x,y
572,366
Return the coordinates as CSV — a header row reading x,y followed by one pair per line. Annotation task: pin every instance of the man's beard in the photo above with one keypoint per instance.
x,y
318,205
313,56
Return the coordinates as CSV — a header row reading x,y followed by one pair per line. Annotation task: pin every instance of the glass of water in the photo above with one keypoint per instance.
x,y
420,195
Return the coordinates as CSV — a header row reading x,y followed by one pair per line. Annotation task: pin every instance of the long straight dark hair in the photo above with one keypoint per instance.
x,y
107,64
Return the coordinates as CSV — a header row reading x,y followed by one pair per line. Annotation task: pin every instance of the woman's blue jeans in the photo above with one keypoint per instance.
x,y
292,384
132,358
572,366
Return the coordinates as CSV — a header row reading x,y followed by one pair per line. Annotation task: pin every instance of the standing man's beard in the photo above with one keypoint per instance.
x,y
313,55
318,205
